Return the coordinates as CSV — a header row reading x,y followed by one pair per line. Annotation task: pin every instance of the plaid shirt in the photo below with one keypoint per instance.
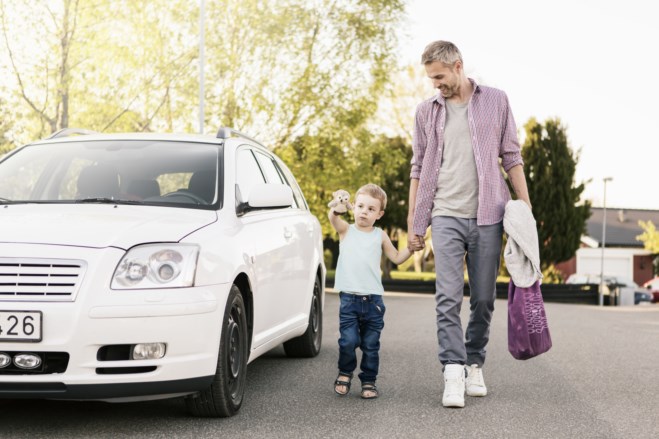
x,y
494,135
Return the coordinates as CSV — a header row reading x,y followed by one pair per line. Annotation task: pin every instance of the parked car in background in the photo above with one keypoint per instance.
x,y
611,283
653,286
145,266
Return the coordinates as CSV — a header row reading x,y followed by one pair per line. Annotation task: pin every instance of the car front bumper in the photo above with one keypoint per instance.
x,y
187,320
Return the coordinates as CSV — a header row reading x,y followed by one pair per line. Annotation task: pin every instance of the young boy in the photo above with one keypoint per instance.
x,y
358,280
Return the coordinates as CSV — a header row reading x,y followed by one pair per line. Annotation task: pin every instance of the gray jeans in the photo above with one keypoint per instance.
x,y
452,239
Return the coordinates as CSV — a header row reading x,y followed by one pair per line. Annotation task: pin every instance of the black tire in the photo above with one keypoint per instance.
x,y
225,395
308,344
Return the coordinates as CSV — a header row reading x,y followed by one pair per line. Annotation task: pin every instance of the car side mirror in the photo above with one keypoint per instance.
x,y
267,196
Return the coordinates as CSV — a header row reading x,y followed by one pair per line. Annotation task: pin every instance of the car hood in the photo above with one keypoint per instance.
x,y
96,225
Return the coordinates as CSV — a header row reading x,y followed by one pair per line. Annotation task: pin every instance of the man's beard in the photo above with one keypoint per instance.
x,y
448,91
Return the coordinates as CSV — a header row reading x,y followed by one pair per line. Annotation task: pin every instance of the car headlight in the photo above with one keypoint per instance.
x,y
156,266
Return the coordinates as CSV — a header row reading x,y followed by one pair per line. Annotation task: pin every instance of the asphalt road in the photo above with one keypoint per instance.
x,y
600,380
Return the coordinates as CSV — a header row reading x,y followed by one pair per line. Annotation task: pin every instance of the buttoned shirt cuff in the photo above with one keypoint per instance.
x,y
415,173
419,231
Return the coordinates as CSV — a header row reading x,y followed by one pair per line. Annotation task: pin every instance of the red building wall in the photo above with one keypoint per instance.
x,y
642,269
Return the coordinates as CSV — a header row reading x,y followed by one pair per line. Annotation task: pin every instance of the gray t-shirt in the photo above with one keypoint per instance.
x,y
457,184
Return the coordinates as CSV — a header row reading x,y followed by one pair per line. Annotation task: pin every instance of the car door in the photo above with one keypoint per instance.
x,y
269,238
298,228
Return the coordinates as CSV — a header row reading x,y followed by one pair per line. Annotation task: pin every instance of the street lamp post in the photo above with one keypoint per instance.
x,y
601,291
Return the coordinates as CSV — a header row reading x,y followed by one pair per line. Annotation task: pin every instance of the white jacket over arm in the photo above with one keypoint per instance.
x,y
522,252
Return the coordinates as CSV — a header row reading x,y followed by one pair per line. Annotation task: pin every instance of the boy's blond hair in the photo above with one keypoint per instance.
x,y
374,191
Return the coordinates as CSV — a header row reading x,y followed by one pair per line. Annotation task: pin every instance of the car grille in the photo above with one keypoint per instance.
x,y
40,280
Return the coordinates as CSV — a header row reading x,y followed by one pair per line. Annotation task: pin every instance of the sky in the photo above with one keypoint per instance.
x,y
593,64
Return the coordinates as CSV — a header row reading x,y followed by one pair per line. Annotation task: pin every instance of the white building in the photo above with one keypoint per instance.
x,y
624,255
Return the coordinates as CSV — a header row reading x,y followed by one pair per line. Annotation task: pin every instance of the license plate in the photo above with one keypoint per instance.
x,y
20,325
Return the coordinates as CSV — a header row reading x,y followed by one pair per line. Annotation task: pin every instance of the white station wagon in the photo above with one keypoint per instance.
x,y
146,266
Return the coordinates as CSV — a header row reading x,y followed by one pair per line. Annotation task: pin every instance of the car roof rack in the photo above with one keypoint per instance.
x,y
226,132
65,132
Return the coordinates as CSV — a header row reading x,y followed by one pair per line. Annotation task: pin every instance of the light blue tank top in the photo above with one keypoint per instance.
x,y
358,268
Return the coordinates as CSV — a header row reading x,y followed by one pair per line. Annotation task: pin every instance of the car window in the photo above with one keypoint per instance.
x,y
19,182
68,186
268,168
248,173
173,181
133,171
275,174
297,192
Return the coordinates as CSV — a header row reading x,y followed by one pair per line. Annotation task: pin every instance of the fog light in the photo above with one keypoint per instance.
x,y
5,360
27,361
148,351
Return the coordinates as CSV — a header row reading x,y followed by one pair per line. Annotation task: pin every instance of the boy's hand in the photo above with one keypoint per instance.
x,y
415,243
339,224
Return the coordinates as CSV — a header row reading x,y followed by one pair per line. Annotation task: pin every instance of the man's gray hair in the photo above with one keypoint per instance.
x,y
443,51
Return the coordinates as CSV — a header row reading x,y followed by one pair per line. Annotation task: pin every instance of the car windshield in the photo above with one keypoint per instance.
x,y
148,172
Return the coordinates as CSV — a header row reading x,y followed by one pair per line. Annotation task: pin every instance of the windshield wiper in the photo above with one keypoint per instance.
x,y
105,200
6,201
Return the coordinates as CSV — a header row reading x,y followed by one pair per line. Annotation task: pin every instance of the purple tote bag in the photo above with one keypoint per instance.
x,y
528,333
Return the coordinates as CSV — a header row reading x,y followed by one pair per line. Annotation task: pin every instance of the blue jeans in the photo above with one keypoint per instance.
x,y
361,319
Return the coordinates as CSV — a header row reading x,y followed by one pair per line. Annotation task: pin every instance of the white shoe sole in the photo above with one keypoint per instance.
x,y
476,392
453,403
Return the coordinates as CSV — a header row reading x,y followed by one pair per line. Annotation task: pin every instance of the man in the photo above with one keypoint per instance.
x,y
457,188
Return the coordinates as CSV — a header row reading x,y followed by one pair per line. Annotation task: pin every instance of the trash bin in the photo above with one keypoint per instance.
x,y
625,296
609,295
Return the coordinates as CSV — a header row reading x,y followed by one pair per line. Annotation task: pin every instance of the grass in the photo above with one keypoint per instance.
x,y
412,275
423,276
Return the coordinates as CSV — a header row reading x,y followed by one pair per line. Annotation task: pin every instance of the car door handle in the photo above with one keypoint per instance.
x,y
288,234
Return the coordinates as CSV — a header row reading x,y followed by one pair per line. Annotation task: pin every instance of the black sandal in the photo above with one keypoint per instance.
x,y
346,384
370,387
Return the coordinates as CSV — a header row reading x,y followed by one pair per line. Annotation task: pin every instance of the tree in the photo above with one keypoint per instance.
x,y
650,239
550,165
281,70
50,71
276,70
143,78
338,164
69,65
5,122
407,88
650,236
303,76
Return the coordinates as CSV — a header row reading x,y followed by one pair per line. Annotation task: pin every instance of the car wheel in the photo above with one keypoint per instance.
x,y
308,344
225,395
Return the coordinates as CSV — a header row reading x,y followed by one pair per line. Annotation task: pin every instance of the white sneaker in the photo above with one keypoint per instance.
x,y
475,383
454,386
